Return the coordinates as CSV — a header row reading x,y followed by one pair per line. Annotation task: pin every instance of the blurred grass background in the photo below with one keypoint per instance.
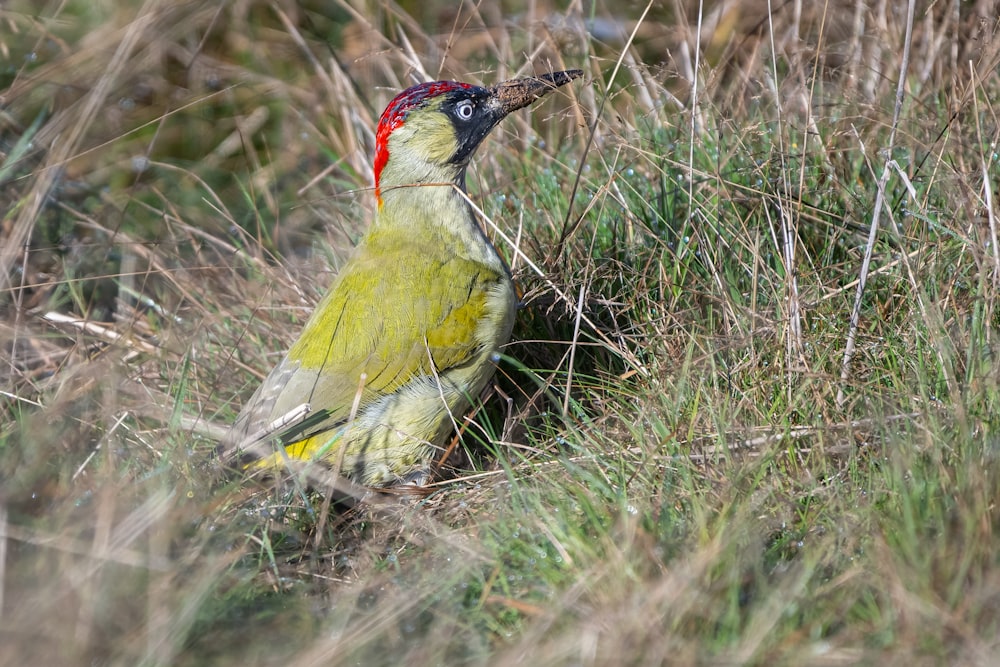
x,y
677,465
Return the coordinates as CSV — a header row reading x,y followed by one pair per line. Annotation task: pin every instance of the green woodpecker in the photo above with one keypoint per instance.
x,y
407,336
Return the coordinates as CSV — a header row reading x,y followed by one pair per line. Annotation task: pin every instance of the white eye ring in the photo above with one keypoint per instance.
x,y
464,109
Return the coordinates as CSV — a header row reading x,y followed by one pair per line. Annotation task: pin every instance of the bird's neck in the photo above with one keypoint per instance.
x,y
431,202
401,184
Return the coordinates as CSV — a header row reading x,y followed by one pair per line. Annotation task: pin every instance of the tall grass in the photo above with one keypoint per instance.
x,y
679,462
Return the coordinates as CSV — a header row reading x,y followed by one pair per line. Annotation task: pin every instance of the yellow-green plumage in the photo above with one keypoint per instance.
x,y
405,338
379,320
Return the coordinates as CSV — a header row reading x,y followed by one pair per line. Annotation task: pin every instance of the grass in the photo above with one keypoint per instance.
x,y
677,465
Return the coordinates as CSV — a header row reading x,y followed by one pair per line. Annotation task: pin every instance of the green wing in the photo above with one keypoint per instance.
x,y
396,310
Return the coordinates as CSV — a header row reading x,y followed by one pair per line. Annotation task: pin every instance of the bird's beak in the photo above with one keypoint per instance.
x,y
518,93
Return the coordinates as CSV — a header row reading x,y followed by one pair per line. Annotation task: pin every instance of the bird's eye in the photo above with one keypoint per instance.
x,y
464,109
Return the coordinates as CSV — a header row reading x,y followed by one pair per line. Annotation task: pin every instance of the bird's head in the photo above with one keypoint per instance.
x,y
430,131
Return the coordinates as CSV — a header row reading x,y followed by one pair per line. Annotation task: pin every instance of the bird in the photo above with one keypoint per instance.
x,y
408,334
